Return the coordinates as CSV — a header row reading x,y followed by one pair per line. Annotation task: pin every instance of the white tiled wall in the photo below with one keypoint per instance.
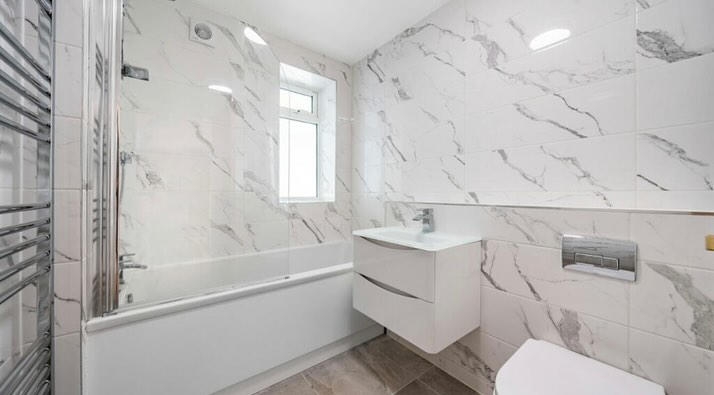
x,y
460,109
214,165
659,327
68,183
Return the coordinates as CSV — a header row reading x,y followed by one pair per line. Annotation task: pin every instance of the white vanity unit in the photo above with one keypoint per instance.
x,y
425,287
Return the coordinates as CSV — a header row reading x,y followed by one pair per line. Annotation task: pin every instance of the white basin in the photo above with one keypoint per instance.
x,y
415,238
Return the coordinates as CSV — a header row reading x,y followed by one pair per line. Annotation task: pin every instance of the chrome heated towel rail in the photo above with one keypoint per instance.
x,y
26,197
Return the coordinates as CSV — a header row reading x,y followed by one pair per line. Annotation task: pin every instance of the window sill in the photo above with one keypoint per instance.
x,y
300,201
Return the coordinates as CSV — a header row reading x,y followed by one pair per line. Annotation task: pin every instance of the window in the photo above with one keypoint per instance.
x,y
299,129
307,128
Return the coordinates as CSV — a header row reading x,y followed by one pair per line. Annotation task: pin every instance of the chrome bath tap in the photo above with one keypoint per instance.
x,y
427,219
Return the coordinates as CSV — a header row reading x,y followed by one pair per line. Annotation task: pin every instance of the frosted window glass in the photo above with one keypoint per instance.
x,y
298,159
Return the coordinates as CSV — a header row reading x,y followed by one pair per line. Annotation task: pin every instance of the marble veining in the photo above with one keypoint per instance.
x,y
660,45
702,306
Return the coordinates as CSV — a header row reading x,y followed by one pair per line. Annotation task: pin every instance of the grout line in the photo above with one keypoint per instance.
x,y
415,379
431,388
302,374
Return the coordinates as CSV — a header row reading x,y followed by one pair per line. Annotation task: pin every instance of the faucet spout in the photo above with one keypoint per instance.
x,y
426,216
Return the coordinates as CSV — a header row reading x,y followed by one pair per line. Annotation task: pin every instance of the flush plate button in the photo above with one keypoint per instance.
x,y
600,256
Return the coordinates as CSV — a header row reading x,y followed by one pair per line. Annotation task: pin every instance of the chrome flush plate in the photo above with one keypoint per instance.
x,y
604,257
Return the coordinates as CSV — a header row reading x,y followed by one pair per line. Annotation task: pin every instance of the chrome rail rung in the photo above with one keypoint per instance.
x,y
6,100
23,130
8,230
32,381
24,73
44,389
4,253
17,46
16,208
17,268
15,288
36,351
46,6
14,85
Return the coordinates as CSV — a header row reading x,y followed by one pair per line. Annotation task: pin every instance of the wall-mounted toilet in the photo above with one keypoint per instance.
x,y
541,368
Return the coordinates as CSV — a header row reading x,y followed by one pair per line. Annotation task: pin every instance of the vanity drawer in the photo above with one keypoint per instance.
x,y
407,269
407,316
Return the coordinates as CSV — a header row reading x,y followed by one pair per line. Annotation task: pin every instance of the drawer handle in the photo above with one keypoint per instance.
x,y
386,244
388,288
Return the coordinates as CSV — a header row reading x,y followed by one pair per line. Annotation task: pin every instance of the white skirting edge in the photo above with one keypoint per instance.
x,y
297,365
192,302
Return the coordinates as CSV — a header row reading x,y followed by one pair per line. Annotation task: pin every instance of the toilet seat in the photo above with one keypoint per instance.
x,y
541,368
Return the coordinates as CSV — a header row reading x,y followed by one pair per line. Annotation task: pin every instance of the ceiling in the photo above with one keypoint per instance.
x,y
345,30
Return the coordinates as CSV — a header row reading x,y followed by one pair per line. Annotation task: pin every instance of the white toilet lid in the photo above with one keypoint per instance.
x,y
541,368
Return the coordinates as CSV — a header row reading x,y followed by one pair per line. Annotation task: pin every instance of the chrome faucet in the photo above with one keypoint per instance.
x,y
427,219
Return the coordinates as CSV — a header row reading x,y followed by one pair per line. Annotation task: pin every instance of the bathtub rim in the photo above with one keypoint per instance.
x,y
177,305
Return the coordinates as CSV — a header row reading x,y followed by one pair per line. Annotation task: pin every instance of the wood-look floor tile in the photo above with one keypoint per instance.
x,y
394,375
295,385
345,374
416,387
444,384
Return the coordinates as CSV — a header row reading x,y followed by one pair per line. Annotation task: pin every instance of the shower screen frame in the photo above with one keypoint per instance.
x,y
102,90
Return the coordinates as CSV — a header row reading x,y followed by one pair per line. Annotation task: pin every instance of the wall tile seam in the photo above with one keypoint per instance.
x,y
629,133
673,126
632,330
640,260
546,303
628,326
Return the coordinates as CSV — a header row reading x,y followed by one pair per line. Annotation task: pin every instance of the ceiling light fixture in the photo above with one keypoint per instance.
x,y
221,89
549,38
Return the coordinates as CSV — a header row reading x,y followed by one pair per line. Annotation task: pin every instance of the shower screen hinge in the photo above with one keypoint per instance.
x,y
138,73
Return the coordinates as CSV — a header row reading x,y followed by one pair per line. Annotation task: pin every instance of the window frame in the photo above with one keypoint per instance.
x,y
311,118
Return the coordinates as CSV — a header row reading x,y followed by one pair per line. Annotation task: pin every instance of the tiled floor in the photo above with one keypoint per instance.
x,y
380,366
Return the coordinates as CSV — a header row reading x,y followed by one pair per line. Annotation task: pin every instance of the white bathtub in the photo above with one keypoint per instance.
x,y
171,282
242,337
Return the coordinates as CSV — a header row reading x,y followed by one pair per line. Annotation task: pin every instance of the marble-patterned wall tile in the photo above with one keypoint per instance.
x,y
676,158
544,227
68,157
424,96
67,366
503,33
432,179
564,166
675,302
317,223
675,31
594,56
677,94
67,305
68,88
367,211
536,273
67,217
69,24
676,200
682,369
514,319
674,239
590,111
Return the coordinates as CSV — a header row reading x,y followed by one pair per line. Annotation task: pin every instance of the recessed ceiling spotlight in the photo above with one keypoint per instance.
x,y
221,89
251,35
549,38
